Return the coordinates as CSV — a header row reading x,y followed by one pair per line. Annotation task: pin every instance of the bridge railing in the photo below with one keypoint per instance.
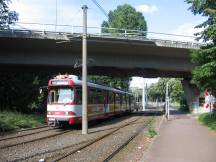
x,y
62,31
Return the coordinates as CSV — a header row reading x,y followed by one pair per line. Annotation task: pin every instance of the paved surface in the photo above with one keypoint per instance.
x,y
183,139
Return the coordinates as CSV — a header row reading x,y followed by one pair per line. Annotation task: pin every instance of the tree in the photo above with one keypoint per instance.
x,y
19,91
158,90
125,17
7,17
204,74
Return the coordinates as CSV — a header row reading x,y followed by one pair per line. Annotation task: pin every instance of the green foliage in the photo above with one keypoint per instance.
x,y
7,17
158,90
204,74
151,132
125,17
137,92
122,83
176,90
13,120
20,91
208,119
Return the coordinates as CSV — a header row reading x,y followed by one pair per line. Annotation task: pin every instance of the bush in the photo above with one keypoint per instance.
x,y
14,120
208,119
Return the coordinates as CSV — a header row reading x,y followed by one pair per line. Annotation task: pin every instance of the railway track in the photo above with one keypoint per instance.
x,y
27,134
73,150
60,156
30,129
127,142
55,151
19,141
16,131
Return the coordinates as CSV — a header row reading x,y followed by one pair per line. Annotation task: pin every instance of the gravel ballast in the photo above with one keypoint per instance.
x,y
42,148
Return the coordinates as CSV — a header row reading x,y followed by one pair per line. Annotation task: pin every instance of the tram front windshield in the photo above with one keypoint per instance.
x,y
61,95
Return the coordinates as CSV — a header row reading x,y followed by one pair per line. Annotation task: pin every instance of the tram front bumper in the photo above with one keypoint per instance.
x,y
55,120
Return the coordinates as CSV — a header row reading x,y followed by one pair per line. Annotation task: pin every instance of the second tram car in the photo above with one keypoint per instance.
x,y
65,101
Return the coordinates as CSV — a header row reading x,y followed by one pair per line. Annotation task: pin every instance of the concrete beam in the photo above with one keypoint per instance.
x,y
127,57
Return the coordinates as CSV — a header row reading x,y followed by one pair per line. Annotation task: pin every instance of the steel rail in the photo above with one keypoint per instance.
x,y
66,147
60,157
30,141
18,136
127,141
21,130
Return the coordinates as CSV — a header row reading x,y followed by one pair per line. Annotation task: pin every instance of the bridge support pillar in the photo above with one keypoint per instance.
x,y
192,95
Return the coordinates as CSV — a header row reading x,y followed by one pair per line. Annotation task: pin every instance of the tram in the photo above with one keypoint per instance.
x,y
65,101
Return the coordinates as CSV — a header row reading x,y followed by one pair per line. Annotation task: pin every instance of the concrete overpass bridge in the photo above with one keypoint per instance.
x,y
108,54
116,55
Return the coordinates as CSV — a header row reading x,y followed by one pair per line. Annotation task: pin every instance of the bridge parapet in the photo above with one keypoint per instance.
x,y
95,32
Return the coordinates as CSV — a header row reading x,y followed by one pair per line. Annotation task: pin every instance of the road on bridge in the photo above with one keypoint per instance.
x,y
183,139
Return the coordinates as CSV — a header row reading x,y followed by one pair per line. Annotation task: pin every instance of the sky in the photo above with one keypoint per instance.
x,y
162,16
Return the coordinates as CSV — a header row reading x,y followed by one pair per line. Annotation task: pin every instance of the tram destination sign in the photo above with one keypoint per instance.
x,y
59,82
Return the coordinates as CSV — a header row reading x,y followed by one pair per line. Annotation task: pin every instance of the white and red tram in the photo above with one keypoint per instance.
x,y
65,101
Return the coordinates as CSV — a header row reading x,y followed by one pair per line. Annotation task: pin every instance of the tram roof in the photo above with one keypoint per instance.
x,y
93,85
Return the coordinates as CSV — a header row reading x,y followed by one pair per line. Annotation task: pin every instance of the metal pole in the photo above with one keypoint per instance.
x,y
56,21
167,101
168,108
144,97
146,94
84,74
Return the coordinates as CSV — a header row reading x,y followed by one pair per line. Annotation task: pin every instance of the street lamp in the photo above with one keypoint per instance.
x,y
56,17
84,74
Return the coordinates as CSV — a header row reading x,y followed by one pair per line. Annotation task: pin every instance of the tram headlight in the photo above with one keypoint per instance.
x,y
48,113
69,113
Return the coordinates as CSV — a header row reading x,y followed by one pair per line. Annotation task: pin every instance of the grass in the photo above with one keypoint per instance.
x,y
151,132
208,119
13,120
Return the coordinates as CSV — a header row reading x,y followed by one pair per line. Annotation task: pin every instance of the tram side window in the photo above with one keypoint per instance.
x,y
105,95
129,100
100,96
124,99
79,95
96,96
90,96
117,98
121,99
111,97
